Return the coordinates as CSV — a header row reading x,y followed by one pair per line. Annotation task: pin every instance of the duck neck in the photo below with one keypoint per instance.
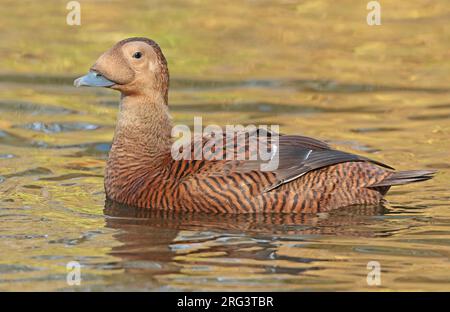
x,y
143,131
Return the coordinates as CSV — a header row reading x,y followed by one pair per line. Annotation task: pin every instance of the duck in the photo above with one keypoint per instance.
x,y
141,170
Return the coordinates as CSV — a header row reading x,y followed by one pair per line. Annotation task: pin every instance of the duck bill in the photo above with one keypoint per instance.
x,y
93,79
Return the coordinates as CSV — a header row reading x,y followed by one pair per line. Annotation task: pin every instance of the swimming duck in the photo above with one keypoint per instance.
x,y
141,171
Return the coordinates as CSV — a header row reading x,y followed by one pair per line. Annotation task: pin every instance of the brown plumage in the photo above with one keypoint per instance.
x,y
311,176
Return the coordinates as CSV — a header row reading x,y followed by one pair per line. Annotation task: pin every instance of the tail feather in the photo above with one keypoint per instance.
x,y
405,177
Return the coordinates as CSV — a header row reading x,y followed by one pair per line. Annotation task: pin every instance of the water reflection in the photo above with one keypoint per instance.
x,y
335,223
164,245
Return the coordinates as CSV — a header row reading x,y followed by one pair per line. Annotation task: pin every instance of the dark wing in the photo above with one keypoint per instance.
x,y
298,155
295,161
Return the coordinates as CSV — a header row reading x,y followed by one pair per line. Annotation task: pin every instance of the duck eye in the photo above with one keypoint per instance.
x,y
137,55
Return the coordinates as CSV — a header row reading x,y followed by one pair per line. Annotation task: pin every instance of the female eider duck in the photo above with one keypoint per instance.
x,y
141,172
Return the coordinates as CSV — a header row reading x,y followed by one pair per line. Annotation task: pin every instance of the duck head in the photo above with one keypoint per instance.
x,y
134,66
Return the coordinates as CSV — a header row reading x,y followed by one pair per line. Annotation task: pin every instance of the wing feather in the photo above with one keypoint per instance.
x,y
297,156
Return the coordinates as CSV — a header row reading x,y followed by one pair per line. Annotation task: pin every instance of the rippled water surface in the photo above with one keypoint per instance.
x,y
313,67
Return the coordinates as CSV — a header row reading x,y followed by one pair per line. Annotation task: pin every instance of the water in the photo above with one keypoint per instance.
x,y
315,68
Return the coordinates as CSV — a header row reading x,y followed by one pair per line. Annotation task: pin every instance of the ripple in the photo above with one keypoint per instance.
x,y
32,187
99,149
430,117
438,166
423,279
76,241
33,108
23,236
375,129
38,171
16,268
267,107
439,106
59,127
70,176
396,251
83,167
147,265
262,107
7,138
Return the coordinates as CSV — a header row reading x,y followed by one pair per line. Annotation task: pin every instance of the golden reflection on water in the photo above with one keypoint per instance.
x,y
313,67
